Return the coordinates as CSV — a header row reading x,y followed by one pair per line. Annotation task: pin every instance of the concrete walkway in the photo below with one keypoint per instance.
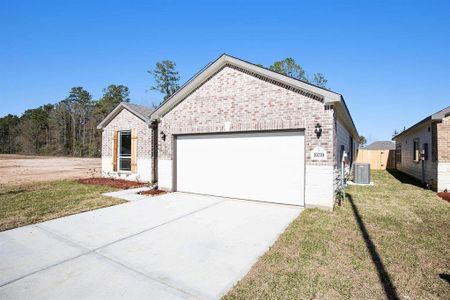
x,y
174,246
129,194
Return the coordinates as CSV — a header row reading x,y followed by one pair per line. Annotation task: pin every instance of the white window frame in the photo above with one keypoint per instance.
x,y
416,151
119,156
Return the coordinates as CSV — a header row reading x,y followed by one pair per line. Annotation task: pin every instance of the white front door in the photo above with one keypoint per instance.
x,y
255,166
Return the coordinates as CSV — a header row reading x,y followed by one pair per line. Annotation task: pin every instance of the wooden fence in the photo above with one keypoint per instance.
x,y
378,159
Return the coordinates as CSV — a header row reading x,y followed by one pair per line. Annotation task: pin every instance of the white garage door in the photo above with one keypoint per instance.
x,y
254,166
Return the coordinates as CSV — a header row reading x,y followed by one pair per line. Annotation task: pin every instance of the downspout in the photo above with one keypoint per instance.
x,y
154,154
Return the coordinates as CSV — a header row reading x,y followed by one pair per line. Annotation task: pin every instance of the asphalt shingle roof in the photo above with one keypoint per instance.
x,y
381,145
143,110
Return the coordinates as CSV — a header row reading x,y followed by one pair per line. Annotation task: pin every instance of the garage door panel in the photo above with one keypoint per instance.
x,y
263,166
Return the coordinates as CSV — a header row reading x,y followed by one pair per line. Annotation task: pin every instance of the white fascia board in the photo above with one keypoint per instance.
x,y
117,110
329,97
344,116
190,86
110,116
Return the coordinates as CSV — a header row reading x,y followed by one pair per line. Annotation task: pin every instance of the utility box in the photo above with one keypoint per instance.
x,y
361,173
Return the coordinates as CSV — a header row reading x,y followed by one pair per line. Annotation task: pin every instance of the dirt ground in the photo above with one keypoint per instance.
x,y
19,169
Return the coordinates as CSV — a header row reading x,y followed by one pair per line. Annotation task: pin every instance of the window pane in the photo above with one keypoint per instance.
x,y
416,150
125,143
425,151
125,164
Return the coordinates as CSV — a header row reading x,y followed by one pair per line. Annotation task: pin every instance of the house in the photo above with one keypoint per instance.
x,y
381,145
236,130
379,154
423,150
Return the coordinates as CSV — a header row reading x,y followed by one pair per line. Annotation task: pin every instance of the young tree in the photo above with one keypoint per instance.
x,y
289,67
394,133
320,80
166,78
363,140
113,95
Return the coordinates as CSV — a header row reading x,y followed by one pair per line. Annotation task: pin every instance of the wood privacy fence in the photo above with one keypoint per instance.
x,y
378,159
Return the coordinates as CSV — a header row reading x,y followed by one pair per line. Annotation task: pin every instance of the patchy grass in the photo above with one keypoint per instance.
x,y
33,203
390,240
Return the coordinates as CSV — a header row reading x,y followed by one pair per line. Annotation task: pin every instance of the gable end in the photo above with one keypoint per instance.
x,y
275,82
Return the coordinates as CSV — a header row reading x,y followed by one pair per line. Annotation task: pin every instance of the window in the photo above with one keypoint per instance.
x,y
125,151
425,151
416,154
351,151
398,153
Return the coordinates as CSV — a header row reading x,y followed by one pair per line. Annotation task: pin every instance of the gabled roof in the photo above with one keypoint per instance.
x,y
436,117
142,112
313,91
381,145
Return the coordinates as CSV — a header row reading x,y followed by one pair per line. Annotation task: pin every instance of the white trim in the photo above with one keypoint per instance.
x,y
330,98
119,156
117,110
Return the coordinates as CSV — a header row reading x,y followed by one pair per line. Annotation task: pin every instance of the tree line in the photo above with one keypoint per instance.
x,y
69,127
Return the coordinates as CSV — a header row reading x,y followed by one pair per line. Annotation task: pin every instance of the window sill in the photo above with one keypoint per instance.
x,y
124,172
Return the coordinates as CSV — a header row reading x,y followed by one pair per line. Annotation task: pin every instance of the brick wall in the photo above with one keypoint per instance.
x,y
422,134
443,154
443,140
125,120
248,103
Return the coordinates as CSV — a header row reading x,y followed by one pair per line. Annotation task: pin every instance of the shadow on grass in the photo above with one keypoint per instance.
x,y
405,178
383,275
445,277
13,192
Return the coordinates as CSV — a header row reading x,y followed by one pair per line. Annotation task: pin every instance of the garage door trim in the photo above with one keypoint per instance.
x,y
174,156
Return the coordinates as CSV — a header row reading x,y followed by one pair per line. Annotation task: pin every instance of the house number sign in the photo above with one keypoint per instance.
x,y
318,153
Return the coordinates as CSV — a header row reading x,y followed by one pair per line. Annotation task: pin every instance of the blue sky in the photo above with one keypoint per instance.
x,y
390,59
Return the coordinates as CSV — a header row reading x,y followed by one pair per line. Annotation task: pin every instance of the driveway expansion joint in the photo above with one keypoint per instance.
x,y
159,225
123,265
88,251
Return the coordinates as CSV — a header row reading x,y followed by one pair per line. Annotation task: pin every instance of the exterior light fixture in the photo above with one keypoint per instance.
x,y
318,130
162,135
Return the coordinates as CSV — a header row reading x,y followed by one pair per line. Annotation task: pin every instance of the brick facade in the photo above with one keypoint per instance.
x,y
125,120
436,169
233,99
443,140
248,103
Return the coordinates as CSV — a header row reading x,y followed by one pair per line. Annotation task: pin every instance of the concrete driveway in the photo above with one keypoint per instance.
x,y
167,247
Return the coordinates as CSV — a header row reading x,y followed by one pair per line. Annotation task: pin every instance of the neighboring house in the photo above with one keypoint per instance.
x,y
236,130
380,145
380,155
423,150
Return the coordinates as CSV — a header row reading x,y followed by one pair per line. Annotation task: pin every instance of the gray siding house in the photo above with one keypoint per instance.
x,y
236,130
423,150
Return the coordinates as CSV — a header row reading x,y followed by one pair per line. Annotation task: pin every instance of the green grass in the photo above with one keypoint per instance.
x,y
324,255
28,204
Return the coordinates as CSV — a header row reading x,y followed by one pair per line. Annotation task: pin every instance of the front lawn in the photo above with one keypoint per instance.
x,y
33,203
390,240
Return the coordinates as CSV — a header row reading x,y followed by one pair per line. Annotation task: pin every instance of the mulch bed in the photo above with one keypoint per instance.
x,y
152,192
116,183
444,195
